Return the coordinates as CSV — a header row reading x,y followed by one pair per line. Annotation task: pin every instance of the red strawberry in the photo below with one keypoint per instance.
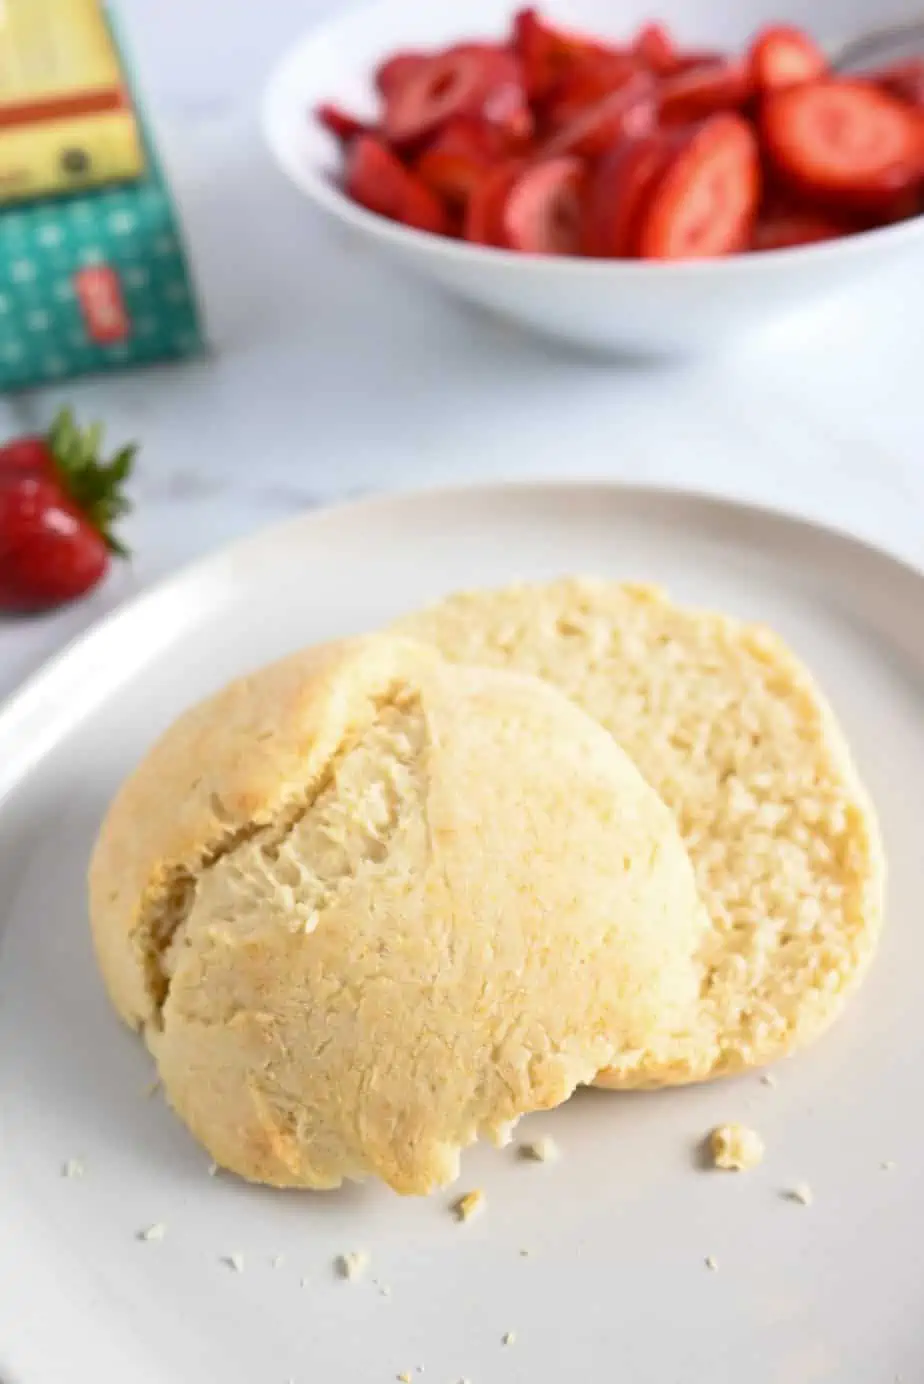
x,y
620,187
549,55
55,519
783,230
705,202
26,454
782,56
484,215
657,50
342,124
474,79
378,180
625,113
596,80
394,71
843,144
703,90
543,211
459,158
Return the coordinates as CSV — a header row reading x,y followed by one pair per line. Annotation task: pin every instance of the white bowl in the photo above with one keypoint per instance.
x,y
608,304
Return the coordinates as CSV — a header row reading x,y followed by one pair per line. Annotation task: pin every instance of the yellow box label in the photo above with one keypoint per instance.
x,y
66,122
53,48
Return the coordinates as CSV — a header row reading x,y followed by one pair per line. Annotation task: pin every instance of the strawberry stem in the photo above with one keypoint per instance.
x,y
93,484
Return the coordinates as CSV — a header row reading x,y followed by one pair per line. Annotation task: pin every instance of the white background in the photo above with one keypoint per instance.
x,y
329,375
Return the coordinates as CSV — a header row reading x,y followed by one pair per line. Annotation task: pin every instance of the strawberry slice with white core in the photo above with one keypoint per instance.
x,y
706,200
470,79
543,213
844,143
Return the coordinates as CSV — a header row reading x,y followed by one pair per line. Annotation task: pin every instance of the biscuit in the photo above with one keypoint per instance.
x,y
367,906
732,732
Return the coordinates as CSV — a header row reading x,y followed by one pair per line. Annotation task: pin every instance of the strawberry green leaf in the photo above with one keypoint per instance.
x,y
93,484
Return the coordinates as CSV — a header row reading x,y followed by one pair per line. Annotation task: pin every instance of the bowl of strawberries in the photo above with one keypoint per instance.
x,y
616,180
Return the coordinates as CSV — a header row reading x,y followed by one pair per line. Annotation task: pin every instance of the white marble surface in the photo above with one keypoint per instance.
x,y
330,375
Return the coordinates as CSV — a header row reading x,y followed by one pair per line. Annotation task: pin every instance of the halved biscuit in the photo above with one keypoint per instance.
x,y
368,906
731,731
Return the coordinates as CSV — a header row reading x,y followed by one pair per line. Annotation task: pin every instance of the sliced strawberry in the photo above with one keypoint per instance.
x,y
589,82
547,54
843,143
784,230
484,214
696,57
628,112
620,186
341,124
782,56
706,200
704,90
543,211
656,49
470,79
905,80
378,180
392,74
459,158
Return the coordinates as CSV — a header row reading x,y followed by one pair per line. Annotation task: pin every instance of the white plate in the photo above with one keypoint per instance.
x,y
615,1288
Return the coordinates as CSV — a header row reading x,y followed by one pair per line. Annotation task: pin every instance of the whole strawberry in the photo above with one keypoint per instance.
x,y
58,502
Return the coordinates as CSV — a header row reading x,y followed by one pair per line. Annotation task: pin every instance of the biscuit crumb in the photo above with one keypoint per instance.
x,y
469,1205
277,1261
541,1150
213,1169
152,1089
352,1265
802,1193
404,1377
768,1079
712,1263
735,1148
235,1262
385,1291
73,1168
888,1165
153,1232
525,1253
509,1338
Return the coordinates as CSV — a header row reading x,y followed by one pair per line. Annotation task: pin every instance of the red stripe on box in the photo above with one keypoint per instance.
x,y
99,292
62,107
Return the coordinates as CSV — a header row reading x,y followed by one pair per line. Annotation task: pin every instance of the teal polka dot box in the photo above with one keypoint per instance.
x,y
95,279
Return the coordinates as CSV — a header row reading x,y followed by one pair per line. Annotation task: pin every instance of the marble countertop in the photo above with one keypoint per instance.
x,y
330,376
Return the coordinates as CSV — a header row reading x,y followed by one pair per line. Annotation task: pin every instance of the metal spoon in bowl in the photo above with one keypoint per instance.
x,y
881,47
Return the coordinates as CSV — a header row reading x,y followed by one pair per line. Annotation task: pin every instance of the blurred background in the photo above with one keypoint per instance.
x,y
325,374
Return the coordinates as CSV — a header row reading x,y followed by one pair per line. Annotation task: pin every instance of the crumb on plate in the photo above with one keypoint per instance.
x,y
235,1262
509,1337
153,1232
469,1205
802,1193
541,1150
712,1262
353,1264
735,1148
73,1168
